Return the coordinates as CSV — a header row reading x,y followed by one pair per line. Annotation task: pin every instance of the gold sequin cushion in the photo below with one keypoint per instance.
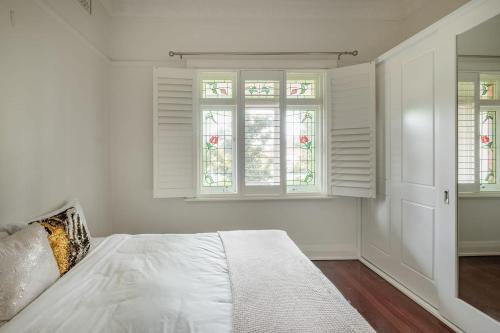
x,y
68,235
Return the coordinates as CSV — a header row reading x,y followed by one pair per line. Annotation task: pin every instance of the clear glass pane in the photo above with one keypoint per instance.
x,y
217,89
466,133
487,151
262,146
301,144
217,152
301,89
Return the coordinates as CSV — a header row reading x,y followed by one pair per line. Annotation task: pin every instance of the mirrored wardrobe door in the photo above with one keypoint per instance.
x,y
477,166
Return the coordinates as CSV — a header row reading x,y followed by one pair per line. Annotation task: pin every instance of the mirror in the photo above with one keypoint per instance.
x,y
478,166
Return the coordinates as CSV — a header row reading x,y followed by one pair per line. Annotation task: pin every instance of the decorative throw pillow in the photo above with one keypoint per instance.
x,y
27,268
68,235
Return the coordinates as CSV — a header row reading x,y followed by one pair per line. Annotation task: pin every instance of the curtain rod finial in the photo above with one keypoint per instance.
x,y
355,52
171,53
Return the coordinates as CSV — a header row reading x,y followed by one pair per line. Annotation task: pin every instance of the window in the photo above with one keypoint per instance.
x,y
488,86
477,137
466,132
487,150
303,130
217,144
260,133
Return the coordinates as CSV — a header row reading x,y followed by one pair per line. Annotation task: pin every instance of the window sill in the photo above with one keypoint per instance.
x,y
470,195
260,198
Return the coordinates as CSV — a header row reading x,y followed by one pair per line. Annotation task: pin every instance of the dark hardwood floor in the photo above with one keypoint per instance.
x,y
384,307
479,282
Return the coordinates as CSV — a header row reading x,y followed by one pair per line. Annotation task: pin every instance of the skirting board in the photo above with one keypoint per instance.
x,y
432,310
479,248
328,252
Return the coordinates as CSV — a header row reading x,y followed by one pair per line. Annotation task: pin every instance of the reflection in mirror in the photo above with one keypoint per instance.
x,y
478,120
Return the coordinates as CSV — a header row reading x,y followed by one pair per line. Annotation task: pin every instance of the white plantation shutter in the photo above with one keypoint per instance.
x,y
173,157
352,131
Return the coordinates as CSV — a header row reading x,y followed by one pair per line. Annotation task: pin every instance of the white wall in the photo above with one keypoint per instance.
x,y
322,228
482,40
479,224
421,17
55,143
53,113
260,25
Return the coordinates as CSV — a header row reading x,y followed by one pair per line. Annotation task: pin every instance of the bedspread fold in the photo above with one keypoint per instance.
x,y
276,288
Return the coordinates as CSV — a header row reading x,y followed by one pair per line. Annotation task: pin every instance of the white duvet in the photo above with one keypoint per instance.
x,y
144,283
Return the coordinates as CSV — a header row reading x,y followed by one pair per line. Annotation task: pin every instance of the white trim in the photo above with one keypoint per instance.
x,y
50,10
429,308
479,248
232,197
429,30
479,195
329,252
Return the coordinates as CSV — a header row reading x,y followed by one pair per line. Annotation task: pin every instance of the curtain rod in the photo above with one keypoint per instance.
x,y
337,53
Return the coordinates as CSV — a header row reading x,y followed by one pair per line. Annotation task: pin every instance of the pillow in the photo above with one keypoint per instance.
x,y
27,268
68,235
9,229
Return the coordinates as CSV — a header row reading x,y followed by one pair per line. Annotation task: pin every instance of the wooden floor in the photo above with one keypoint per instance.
x,y
383,306
479,283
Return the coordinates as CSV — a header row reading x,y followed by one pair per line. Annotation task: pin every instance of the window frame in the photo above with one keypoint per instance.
x,y
480,105
263,192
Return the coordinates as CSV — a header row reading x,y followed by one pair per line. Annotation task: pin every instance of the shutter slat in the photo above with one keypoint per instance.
x,y
353,171
173,127
176,100
174,107
175,94
352,134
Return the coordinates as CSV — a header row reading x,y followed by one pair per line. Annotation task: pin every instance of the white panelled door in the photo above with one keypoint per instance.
x,y
413,172
399,235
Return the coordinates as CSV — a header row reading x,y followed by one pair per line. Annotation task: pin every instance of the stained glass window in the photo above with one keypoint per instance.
x,y
487,152
278,149
466,133
217,88
301,88
488,87
301,141
217,152
261,89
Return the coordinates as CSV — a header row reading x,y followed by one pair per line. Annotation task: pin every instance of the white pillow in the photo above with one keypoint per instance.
x,y
11,228
27,268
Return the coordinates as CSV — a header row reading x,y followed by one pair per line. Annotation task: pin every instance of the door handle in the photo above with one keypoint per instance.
x,y
446,197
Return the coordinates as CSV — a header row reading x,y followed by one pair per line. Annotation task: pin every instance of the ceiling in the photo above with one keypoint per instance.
x,y
374,9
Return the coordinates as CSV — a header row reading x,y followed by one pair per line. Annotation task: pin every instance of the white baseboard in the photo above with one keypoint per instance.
x,y
329,252
432,310
479,248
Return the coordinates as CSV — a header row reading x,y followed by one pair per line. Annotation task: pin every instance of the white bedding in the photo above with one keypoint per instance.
x,y
144,283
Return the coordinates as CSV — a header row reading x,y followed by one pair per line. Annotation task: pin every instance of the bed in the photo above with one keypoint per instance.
x,y
235,281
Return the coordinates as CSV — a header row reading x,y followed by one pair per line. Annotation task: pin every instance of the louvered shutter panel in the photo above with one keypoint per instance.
x,y
352,131
173,90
